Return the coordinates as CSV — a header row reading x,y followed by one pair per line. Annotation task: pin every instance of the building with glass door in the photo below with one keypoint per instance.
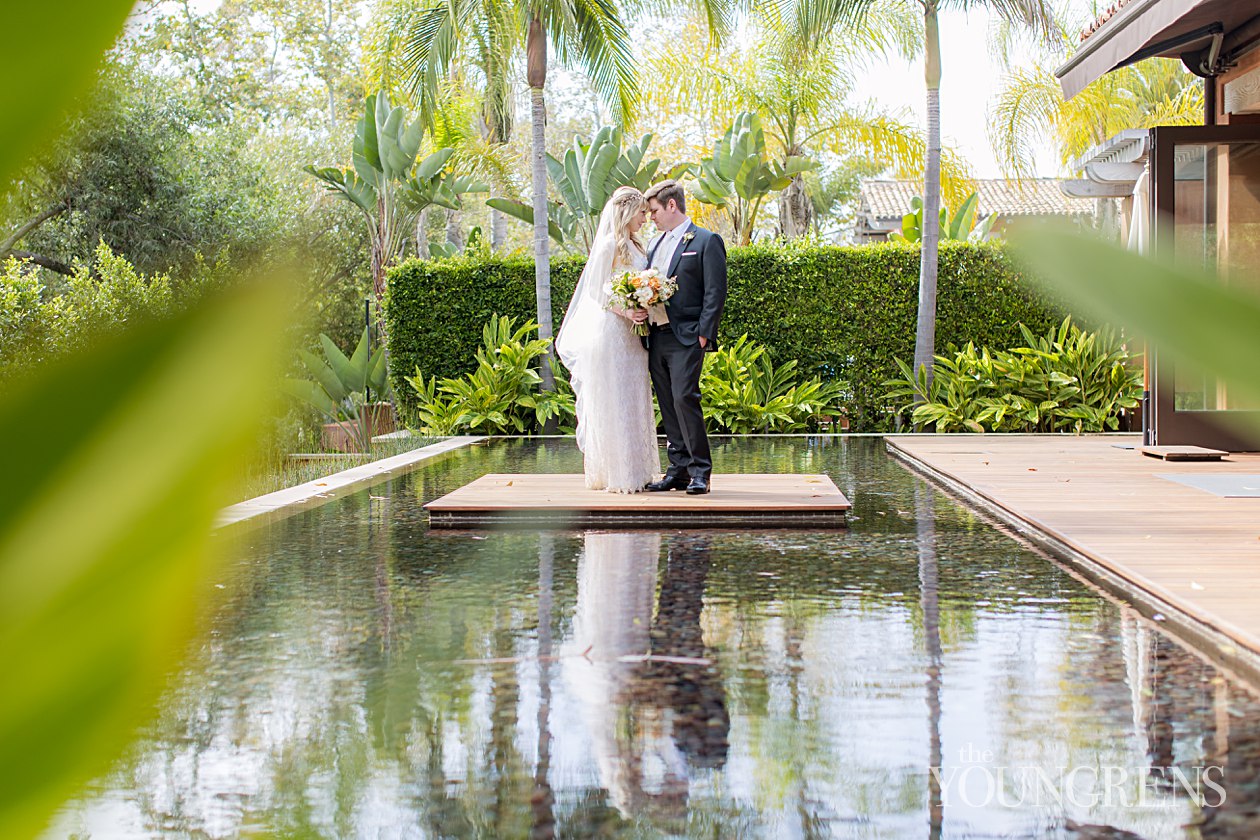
x,y
1204,196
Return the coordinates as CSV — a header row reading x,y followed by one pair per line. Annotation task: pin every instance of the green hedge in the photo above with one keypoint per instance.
x,y
846,312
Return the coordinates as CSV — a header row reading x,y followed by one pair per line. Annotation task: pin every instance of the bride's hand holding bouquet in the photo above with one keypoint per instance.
x,y
640,290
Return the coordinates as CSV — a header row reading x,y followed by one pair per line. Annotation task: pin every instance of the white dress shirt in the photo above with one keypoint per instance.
x,y
661,258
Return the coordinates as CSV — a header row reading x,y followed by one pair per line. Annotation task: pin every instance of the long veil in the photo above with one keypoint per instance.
x,y
581,334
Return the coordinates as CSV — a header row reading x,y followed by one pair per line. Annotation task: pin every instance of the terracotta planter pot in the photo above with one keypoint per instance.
x,y
340,436
380,417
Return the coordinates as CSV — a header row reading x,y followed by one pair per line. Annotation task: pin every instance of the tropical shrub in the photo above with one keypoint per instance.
x,y
1067,380
842,313
586,178
743,392
38,323
342,385
962,226
742,174
389,183
501,396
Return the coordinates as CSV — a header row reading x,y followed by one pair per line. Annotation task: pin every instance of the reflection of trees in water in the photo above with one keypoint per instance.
x,y
1194,717
328,685
542,801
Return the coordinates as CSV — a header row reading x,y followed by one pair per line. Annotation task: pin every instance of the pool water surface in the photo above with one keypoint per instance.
x,y
919,674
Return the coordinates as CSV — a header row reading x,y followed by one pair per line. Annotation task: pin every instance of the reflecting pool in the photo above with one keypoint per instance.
x,y
921,674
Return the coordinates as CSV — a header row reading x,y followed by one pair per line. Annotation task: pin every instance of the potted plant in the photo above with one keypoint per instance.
x,y
340,390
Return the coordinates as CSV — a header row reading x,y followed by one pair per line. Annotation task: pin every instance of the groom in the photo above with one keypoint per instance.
x,y
681,331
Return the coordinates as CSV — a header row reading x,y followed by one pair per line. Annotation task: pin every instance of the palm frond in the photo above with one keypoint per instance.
x,y
1025,109
1031,107
591,33
1037,17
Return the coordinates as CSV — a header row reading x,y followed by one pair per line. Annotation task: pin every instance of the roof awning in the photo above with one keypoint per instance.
x,y
1137,25
1144,28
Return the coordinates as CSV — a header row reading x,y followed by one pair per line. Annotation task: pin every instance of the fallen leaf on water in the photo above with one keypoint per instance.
x,y
509,484
1032,469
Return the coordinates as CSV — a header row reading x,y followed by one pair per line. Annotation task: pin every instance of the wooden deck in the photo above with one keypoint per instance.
x,y
1189,553
747,500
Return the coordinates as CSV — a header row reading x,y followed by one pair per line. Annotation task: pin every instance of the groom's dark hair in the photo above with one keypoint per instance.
x,y
664,191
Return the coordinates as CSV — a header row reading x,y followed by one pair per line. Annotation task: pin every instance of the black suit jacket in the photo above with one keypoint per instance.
x,y
699,264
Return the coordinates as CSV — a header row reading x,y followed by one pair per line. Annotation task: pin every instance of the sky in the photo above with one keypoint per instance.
x,y
971,79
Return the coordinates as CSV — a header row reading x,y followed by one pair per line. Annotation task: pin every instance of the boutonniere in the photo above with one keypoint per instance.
x,y
688,236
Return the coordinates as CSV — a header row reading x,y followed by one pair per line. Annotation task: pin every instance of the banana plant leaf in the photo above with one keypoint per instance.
x,y
597,182
347,184
524,213
310,393
964,218
1186,313
433,164
325,378
137,442
64,41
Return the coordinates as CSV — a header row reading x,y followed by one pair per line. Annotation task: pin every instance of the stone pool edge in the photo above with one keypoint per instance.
x,y
271,507
1214,643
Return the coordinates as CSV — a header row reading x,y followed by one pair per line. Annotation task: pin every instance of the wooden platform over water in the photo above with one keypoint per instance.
x,y
746,500
1123,517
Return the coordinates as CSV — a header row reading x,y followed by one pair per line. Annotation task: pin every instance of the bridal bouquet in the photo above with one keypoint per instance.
x,y
640,290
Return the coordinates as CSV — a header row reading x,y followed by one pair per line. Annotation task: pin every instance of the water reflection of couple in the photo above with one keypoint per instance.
x,y
654,701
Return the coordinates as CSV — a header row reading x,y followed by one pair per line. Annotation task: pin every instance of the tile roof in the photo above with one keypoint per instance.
x,y
890,199
1106,15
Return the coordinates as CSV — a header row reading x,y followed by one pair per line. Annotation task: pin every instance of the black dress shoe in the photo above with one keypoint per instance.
x,y
697,486
669,482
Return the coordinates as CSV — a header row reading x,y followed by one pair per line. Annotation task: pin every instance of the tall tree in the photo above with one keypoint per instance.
x,y
483,66
817,19
277,59
800,89
432,36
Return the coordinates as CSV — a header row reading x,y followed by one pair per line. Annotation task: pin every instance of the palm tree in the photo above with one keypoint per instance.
x,y
1030,107
432,35
798,88
490,49
816,19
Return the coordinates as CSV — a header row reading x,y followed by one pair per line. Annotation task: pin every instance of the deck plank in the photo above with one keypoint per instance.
x,y
1196,551
754,499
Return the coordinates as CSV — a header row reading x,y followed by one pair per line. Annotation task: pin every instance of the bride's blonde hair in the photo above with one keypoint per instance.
x,y
625,203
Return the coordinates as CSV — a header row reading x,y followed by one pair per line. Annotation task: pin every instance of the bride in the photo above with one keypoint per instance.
x,y
608,367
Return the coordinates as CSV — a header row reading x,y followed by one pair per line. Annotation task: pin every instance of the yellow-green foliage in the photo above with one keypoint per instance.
x,y
38,323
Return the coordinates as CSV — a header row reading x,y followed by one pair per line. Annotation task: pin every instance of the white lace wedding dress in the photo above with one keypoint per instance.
x,y
608,368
